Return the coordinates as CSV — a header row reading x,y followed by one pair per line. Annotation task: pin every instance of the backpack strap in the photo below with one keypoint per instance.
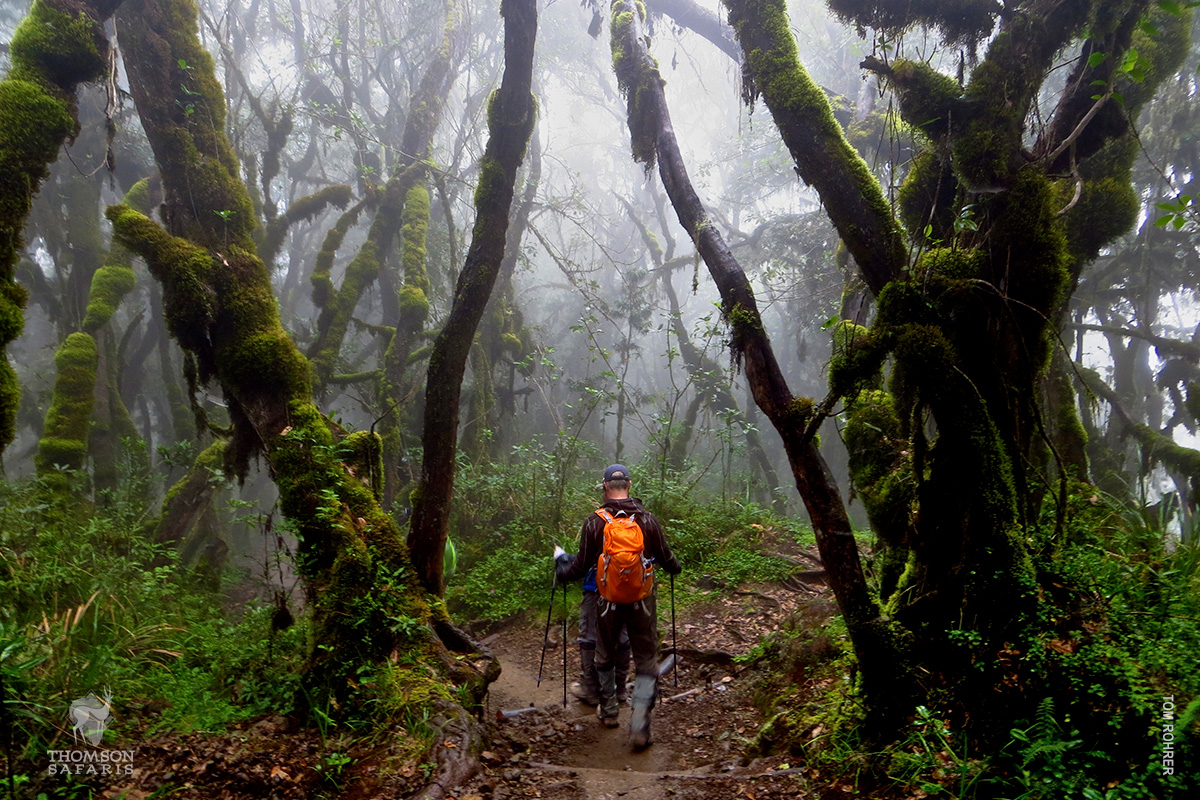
x,y
603,514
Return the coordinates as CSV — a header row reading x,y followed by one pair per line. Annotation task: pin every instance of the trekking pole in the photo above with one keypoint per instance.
x,y
564,645
546,634
674,639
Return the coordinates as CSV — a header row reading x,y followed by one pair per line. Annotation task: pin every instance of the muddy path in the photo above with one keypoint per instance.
x,y
702,726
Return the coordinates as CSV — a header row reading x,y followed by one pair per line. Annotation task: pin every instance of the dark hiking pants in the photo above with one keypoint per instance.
x,y
640,621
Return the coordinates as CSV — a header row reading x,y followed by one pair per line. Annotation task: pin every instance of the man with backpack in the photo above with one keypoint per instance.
x,y
625,544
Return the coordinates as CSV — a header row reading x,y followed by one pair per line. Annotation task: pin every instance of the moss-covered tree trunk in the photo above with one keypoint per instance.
x,y
66,436
59,45
503,338
367,606
511,116
879,644
948,459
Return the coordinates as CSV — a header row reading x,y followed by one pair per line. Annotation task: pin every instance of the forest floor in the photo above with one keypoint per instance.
x,y
705,719
700,728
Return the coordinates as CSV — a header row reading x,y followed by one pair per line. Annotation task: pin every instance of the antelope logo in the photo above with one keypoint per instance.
x,y
90,715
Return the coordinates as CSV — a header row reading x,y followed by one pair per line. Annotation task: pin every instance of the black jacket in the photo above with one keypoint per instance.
x,y
591,541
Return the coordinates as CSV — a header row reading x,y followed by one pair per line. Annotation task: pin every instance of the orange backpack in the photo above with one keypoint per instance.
x,y
623,574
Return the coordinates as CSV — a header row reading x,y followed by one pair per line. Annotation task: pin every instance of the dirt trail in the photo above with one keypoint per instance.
x,y
563,753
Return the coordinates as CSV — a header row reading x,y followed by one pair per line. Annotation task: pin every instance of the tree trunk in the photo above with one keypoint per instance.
x,y
511,116
366,604
878,643
59,45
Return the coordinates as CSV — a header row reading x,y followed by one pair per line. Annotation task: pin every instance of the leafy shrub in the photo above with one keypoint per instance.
x,y
502,585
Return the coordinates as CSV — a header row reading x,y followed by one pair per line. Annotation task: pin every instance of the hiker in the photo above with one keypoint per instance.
x,y
587,690
624,542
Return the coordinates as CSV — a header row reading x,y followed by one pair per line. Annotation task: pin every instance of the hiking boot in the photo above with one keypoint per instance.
x,y
645,687
608,722
585,695
608,709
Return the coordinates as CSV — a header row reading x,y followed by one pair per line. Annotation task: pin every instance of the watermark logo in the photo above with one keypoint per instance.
x,y
1168,735
90,716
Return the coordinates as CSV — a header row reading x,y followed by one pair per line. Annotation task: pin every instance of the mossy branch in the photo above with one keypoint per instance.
x,y
851,194
302,210
184,271
813,477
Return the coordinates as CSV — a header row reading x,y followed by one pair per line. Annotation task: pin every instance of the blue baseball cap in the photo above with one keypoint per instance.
x,y
616,472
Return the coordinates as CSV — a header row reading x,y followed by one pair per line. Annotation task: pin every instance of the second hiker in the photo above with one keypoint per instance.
x,y
624,543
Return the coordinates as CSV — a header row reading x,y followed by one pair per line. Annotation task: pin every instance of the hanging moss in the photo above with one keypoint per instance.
x,y
960,21
64,439
633,73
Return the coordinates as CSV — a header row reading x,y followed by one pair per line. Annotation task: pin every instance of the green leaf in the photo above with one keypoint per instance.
x,y
1096,59
1164,220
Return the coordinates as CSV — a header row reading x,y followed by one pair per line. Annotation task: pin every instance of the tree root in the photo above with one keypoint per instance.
x,y
458,741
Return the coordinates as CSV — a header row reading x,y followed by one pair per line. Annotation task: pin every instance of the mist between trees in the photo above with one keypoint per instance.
x,y
316,294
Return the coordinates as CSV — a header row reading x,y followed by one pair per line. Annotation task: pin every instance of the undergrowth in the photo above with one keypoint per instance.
x,y
88,603
507,521
1112,650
